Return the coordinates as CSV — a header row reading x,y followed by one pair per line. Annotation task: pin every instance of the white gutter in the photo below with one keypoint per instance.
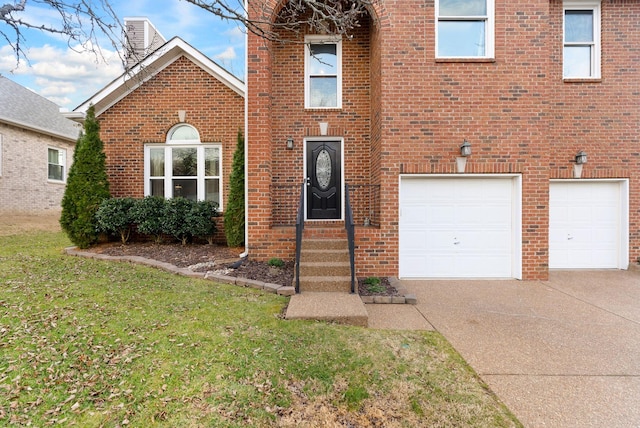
x,y
246,136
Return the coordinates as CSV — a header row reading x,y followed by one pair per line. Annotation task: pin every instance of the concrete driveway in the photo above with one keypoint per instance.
x,y
559,353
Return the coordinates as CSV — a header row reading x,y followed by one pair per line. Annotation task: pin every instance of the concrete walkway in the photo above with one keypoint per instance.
x,y
560,353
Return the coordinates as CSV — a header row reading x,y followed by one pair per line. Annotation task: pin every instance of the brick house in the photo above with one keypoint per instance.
x,y
36,151
530,86
170,123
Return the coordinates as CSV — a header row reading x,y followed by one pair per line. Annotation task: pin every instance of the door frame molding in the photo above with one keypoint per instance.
x,y
623,193
516,210
304,173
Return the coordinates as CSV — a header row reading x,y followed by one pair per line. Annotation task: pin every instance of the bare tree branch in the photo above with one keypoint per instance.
x,y
79,20
336,17
85,23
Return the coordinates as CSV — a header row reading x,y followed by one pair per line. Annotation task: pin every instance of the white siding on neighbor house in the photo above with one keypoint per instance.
x,y
24,183
453,227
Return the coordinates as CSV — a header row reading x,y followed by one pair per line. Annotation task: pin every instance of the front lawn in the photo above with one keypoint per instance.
x,y
93,343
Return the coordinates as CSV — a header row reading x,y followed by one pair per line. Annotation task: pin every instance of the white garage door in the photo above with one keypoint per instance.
x,y
585,224
457,227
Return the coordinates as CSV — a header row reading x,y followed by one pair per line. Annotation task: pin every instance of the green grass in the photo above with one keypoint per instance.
x,y
94,343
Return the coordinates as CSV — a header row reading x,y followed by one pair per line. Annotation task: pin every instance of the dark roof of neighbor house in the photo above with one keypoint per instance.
x,y
150,66
23,108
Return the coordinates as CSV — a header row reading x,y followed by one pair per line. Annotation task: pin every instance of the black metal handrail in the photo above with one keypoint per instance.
x,y
351,236
299,229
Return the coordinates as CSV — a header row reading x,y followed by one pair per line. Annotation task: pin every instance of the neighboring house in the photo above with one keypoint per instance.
x,y
170,125
528,84
36,151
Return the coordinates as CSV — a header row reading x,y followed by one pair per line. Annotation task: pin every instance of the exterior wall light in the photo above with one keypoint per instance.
x,y
289,143
461,161
465,149
581,159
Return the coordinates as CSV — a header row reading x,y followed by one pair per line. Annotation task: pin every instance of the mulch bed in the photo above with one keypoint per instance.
x,y
203,258
220,259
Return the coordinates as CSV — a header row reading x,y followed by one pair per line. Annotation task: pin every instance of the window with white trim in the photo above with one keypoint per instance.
x,y
184,167
581,49
323,72
56,162
465,28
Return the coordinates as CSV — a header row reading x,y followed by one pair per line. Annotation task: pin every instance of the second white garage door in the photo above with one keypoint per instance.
x,y
458,227
587,224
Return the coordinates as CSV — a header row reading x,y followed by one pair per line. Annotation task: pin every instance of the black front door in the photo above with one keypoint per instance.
x,y
324,180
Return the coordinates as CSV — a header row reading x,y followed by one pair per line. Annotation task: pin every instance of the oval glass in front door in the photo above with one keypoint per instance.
x,y
323,169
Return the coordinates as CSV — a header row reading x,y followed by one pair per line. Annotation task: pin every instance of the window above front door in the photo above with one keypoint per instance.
x,y
323,72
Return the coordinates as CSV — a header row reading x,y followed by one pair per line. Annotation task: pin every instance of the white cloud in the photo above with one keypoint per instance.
x,y
228,54
65,76
236,34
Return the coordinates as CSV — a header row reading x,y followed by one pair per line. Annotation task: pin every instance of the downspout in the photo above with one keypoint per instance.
x,y
246,134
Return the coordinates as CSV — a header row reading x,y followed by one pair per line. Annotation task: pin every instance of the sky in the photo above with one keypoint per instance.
x,y
67,77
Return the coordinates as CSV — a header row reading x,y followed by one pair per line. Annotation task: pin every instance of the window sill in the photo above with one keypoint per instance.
x,y
582,80
56,182
323,109
478,60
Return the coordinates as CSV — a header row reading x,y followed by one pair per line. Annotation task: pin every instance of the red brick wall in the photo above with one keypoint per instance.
x,y
516,111
149,112
602,117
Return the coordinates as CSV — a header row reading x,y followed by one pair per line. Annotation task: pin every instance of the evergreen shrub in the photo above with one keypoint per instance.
x,y
115,217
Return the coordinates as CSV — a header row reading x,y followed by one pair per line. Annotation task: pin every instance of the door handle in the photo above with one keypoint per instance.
x,y
307,181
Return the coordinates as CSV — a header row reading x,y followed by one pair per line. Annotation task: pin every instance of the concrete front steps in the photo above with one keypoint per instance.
x,y
341,308
324,265
325,280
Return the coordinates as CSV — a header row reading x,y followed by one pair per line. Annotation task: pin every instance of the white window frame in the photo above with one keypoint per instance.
x,y
317,40
489,34
596,46
62,153
168,165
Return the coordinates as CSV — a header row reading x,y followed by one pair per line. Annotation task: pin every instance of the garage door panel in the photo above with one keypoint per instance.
x,y
415,240
467,228
414,215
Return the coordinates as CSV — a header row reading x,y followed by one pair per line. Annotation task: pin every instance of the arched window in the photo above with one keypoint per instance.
x,y
184,167
183,134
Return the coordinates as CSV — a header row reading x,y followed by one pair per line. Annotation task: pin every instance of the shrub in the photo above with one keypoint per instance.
x,y
200,220
176,212
148,215
373,285
372,280
275,262
115,216
234,211
87,186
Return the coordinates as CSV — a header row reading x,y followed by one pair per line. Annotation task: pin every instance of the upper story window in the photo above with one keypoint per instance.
x,y
323,72
581,53
56,163
464,28
184,167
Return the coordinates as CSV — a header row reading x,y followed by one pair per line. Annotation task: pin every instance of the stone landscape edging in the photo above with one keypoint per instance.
x,y
281,290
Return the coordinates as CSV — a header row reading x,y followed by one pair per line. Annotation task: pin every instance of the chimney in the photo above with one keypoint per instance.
x,y
141,39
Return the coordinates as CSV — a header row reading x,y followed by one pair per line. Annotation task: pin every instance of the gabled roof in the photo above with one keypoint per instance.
x,y
160,59
23,108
